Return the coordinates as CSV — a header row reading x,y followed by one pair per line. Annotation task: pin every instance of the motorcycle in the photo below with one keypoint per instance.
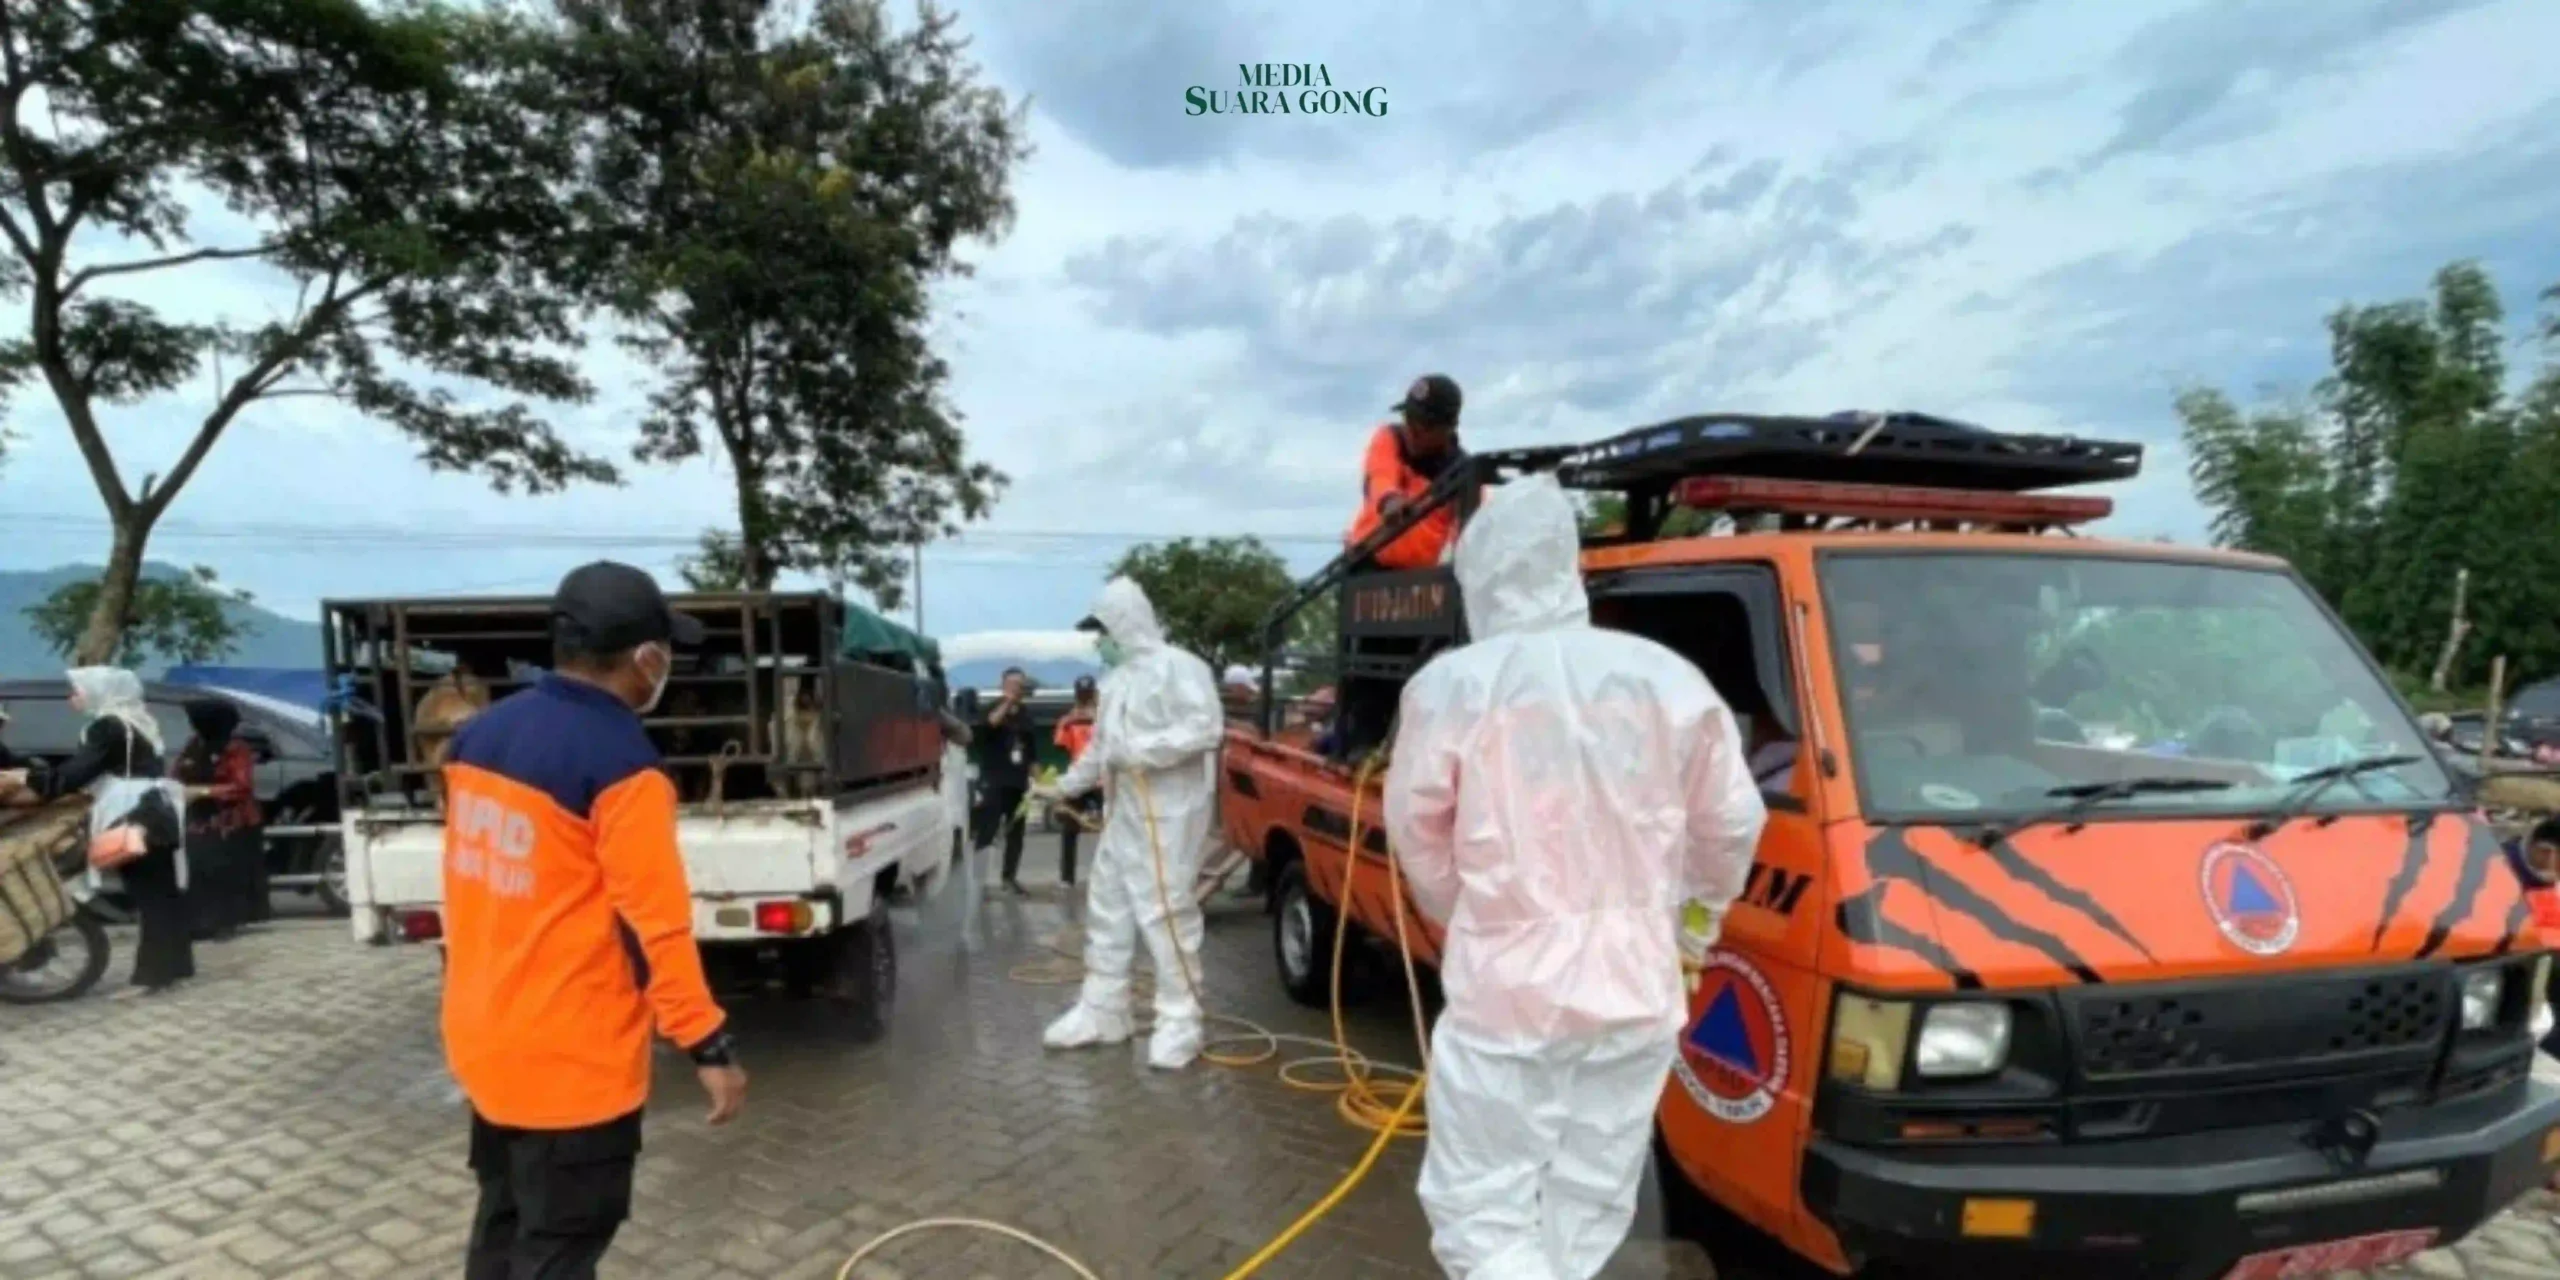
x,y
66,963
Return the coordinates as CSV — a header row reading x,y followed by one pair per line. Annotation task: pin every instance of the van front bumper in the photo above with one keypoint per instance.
x,y
2189,1207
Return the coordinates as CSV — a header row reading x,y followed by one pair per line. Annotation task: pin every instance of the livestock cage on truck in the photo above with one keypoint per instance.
x,y
790,695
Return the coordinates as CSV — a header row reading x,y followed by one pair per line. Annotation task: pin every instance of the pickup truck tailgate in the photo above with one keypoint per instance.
x,y
756,849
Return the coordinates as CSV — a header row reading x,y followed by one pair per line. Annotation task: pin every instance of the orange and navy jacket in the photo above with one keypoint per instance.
x,y
1389,470
568,924
1074,732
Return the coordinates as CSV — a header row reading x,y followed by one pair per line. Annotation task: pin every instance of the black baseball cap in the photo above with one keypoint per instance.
x,y
1090,623
607,607
1433,398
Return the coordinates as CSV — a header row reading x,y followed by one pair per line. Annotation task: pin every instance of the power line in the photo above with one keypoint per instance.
x,y
533,537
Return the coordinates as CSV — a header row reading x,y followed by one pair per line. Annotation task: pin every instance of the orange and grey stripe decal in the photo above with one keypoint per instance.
x,y
1891,857
2413,863
2007,858
2480,855
1863,919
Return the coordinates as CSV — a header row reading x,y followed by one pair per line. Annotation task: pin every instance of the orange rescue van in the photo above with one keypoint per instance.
x,y
2113,916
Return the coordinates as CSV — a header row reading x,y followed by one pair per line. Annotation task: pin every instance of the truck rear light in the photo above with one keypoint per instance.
x,y
783,917
421,926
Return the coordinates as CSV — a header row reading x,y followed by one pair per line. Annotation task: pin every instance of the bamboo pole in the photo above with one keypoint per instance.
x,y
2489,723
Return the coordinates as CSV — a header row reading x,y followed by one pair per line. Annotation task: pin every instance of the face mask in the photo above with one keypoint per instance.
x,y
1111,652
658,686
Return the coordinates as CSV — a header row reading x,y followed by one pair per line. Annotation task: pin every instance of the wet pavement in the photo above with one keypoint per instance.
x,y
288,1115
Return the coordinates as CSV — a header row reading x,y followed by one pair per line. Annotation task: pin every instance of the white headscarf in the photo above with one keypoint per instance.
x,y
113,693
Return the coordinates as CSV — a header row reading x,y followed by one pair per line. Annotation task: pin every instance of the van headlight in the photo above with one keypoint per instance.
x,y
1960,1040
2540,1002
2483,991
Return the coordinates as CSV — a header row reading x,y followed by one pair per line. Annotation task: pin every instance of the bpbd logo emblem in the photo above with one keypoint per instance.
x,y
2251,899
1734,1059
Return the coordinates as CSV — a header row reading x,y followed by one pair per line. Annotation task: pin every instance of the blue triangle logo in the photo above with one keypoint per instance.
x,y
1721,1035
2249,897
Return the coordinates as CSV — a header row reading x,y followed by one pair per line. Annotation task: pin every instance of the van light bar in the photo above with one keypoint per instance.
x,y
1885,502
2353,1191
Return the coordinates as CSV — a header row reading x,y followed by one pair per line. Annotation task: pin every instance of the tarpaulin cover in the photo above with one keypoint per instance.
x,y
869,637
306,689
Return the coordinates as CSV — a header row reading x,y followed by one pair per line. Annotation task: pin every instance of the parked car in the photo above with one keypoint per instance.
x,y
296,783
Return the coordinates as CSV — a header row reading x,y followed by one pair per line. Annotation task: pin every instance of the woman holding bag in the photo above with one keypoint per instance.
x,y
135,830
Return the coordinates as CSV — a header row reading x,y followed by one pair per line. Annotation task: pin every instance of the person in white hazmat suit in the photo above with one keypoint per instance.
x,y
1154,753
1558,793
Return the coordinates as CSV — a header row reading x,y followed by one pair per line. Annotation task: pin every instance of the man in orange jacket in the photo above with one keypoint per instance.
x,y
569,933
1404,459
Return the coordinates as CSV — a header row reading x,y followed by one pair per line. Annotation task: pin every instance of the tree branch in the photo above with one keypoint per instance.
x,y
87,274
253,384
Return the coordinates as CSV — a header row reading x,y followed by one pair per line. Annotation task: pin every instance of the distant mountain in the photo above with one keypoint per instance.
x,y
269,640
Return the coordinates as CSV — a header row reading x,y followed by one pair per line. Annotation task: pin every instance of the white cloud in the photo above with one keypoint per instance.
x,y
2041,216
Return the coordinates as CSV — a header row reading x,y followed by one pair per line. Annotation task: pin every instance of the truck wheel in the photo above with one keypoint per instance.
x,y
333,875
1302,930
867,973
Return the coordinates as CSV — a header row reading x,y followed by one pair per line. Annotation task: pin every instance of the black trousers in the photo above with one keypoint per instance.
x,y
550,1199
165,952
1070,833
1002,809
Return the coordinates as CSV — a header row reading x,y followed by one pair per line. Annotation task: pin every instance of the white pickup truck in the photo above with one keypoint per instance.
x,y
797,827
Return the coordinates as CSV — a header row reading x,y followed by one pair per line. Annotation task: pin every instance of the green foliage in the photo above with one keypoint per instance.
x,y
2409,463
775,200
1214,595
401,162
720,564
175,619
1605,514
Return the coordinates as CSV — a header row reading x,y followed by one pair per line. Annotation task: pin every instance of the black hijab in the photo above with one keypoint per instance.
x,y
214,721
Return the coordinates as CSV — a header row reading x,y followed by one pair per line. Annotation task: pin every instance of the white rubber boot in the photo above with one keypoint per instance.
x,y
1085,1025
1173,1045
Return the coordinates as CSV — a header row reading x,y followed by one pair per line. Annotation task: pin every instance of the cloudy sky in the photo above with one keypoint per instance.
x,y
2037,216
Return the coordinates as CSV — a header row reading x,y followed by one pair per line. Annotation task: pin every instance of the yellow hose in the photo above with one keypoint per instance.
x,y
1383,1107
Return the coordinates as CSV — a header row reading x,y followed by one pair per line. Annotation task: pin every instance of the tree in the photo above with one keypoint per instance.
x,y
718,564
1213,596
185,617
2409,466
400,163
779,199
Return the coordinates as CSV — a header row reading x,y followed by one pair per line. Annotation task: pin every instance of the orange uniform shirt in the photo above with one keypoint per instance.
x,y
568,924
1387,471
1073,735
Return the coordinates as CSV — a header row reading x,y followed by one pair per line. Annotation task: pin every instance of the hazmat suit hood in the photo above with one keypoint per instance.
x,y
1519,562
1124,613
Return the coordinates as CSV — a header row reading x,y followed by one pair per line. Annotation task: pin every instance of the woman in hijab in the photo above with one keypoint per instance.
x,y
225,848
122,745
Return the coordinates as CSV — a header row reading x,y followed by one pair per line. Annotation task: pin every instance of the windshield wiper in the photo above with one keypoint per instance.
x,y
2085,796
2309,787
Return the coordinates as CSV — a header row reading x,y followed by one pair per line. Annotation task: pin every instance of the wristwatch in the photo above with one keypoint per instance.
x,y
718,1049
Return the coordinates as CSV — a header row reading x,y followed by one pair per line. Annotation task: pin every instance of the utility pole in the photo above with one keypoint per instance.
x,y
919,558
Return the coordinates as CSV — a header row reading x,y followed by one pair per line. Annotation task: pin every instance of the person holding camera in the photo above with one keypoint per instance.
x,y
1004,773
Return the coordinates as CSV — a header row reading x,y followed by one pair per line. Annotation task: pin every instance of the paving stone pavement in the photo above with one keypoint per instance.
x,y
288,1116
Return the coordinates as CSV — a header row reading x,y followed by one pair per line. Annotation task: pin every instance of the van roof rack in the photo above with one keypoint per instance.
x,y
1907,449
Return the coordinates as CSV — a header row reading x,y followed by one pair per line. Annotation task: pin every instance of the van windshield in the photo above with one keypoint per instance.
x,y
1974,683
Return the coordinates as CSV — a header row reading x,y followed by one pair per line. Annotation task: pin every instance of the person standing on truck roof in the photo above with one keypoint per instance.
x,y
1557,792
1156,729
1004,776
569,933
1405,458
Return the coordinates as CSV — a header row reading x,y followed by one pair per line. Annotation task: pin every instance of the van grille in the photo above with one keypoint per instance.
x,y
2148,1031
